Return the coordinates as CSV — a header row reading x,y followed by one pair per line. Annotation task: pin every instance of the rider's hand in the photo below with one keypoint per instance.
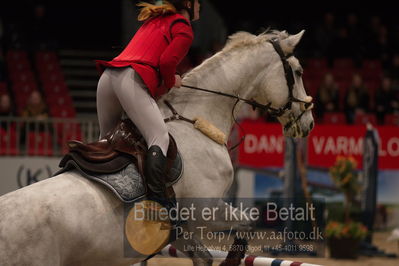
x,y
177,81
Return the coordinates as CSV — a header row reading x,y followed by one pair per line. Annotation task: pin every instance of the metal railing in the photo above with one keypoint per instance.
x,y
48,137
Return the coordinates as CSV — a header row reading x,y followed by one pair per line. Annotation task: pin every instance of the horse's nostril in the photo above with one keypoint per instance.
x,y
311,125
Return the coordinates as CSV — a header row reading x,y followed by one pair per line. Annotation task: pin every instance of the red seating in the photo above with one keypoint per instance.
x,y
316,63
48,66
8,142
51,77
343,63
3,88
372,70
40,143
68,131
56,91
391,119
311,86
314,74
363,118
46,57
21,92
58,88
343,75
334,118
16,56
65,111
24,76
18,66
55,100
372,87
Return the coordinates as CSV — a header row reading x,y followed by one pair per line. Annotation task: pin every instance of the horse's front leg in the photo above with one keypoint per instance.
x,y
200,255
224,218
229,218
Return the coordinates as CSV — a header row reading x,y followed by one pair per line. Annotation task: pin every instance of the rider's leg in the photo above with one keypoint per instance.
x,y
141,109
109,110
144,112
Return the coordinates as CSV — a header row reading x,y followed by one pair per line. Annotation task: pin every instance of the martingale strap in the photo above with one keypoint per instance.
x,y
176,115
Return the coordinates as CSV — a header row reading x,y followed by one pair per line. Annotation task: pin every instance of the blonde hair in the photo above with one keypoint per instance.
x,y
150,10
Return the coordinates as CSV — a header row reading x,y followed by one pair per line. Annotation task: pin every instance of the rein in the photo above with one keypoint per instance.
x,y
253,103
276,112
289,77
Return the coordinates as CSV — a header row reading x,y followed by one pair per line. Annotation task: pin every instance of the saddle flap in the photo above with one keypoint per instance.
x,y
100,151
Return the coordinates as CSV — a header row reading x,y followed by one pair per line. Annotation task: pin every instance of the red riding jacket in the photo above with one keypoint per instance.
x,y
155,51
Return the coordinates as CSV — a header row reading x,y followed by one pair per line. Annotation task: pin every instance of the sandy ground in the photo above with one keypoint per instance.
x,y
379,239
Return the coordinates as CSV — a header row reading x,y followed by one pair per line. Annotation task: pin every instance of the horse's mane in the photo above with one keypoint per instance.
x,y
237,41
244,39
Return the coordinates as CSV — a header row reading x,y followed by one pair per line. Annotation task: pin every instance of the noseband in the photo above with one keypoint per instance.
x,y
276,112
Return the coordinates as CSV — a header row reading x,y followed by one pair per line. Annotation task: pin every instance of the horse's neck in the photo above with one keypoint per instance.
x,y
225,76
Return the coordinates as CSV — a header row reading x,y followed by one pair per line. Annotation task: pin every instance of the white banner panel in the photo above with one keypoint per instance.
x,y
17,172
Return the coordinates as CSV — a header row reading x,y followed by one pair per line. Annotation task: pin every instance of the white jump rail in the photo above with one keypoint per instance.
x,y
170,251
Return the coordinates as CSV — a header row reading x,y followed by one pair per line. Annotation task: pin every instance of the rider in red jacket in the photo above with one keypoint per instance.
x,y
144,71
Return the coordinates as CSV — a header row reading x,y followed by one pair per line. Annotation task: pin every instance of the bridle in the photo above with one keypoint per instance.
x,y
289,77
276,112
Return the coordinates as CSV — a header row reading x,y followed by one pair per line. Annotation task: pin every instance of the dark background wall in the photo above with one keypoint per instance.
x,y
98,23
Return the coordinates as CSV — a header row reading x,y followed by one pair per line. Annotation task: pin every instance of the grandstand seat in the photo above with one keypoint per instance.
x,y
314,74
372,87
55,101
16,66
311,85
24,76
343,63
334,118
343,85
8,141
316,63
372,70
364,118
48,68
68,131
52,77
46,57
372,64
58,88
16,56
391,119
65,111
40,143
342,74
3,88
23,88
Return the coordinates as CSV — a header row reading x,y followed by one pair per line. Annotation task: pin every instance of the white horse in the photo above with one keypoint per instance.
x,y
69,220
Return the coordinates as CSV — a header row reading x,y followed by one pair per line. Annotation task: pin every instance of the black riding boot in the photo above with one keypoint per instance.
x,y
156,168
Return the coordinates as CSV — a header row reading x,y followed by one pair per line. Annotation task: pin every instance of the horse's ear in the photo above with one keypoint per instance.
x,y
288,45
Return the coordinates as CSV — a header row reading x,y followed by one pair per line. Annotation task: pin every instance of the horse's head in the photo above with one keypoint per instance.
x,y
281,86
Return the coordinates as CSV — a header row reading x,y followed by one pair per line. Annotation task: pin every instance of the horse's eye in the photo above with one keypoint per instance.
x,y
299,73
